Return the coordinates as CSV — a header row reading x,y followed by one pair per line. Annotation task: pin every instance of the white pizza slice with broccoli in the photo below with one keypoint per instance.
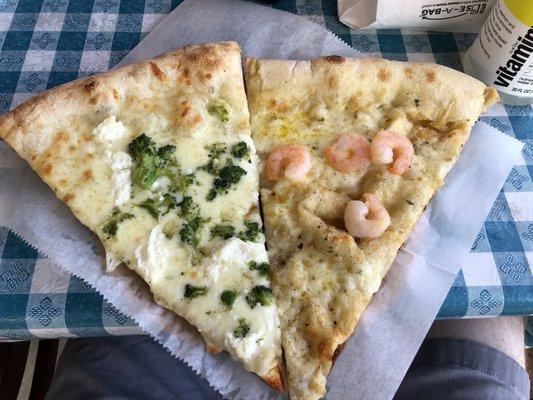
x,y
156,158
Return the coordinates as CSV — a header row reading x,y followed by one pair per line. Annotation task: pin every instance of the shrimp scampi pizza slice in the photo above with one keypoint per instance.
x,y
351,150
156,158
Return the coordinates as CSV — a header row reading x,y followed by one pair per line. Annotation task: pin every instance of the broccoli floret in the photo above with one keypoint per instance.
x,y
193,222
180,183
211,195
147,163
220,109
189,231
223,231
141,146
110,227
242,329
151,206
227,176
215,151
259,295
209,167
166,153
187,235
228,297
146,172
251,234
151,163
156,208
194,291
169,202
188,208
240,150
196,222
263,268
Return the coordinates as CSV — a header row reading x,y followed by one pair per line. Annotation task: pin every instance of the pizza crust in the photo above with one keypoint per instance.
x,y
323,278
443,93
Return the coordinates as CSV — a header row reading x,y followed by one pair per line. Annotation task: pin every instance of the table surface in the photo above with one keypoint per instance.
x,y
48,42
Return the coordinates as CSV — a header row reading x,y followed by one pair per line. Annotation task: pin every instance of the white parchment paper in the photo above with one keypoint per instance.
x,y
377,356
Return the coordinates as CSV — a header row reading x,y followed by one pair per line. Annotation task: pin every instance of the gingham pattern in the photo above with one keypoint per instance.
x,y
46,43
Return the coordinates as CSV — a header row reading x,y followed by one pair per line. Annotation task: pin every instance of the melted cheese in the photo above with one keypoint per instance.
x,y
110,133
121,179
110,130
168,269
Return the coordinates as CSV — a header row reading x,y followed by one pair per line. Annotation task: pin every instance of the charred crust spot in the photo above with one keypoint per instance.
x,y
337,351
230,45
185,77
212,349
212,63
205,76
48,169
276,106
209,54
186,107
62,182
275,380
34,157
430,76
89,86
68,197
325,348
193,55
408,72
158,72
87,174
61,137
383,75
93,100
115,94
335,59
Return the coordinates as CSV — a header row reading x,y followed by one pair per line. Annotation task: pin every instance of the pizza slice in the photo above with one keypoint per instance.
x,y
352,151
156,158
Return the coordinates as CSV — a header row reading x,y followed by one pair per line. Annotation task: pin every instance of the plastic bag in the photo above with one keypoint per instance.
x,y
455,15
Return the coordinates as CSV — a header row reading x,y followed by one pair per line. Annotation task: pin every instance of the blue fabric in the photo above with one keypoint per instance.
x,y
131,368
447,369
136,367
49,42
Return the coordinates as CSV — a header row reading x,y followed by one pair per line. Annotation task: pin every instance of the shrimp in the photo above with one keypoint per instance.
x,y
392,148
350,153
368,219
291,160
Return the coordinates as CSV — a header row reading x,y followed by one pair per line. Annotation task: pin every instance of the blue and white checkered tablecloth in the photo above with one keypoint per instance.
x,y
48,42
